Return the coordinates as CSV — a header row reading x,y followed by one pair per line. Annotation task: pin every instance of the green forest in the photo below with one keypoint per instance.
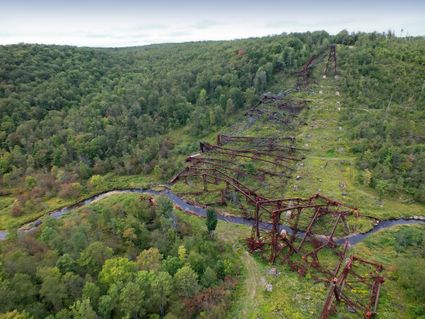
x,y
90,111
384,110
70,113
78,121
121,258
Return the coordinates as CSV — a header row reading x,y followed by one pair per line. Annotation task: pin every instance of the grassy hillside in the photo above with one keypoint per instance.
x,y
331,167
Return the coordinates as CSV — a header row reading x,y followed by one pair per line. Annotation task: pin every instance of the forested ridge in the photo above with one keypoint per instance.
x,y
384,108
94,110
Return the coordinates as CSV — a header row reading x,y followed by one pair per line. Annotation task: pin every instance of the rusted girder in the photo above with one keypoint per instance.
x,y
216,174
331,59
230,167
224,139
281,243
305,72
288,212
306,67
262,144
293,230
348,279
210,148
252,154
267,97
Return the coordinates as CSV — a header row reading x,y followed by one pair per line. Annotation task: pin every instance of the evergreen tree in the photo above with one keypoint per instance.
x,y
211,221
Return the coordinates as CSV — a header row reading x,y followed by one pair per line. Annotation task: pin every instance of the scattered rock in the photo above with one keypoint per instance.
x,y
340,128
351,309
295,188
339,109
324,76
298,177
336,77
320,92
269,287
37,223
272,271
418,217
337,93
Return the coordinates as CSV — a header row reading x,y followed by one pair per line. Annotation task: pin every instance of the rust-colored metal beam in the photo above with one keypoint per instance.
x,y
331,59
318,211
254,155
225,139
347,276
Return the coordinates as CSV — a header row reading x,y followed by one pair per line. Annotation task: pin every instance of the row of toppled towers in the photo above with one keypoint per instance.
x,y
301,232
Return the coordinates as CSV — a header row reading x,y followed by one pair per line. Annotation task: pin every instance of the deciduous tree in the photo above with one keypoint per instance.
x,y
186,282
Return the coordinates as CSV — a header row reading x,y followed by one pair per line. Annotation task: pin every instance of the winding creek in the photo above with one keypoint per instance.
x,y
199,211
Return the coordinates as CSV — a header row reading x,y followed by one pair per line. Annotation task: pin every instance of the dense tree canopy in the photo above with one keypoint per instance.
x,y
384,110
104,273
96,110
69,115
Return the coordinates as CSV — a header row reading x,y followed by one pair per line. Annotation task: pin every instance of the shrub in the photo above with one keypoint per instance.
x,y
17,210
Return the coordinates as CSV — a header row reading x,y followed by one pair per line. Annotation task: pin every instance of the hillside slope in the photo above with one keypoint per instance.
x,y
68,114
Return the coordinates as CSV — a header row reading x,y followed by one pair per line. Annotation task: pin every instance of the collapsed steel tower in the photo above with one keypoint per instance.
x,y
294,231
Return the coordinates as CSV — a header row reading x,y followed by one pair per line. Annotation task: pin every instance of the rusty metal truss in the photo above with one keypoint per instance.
x,y
269,142
354,273
307,220
278,108
305,72
331,59
294,231
273,157
278,154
